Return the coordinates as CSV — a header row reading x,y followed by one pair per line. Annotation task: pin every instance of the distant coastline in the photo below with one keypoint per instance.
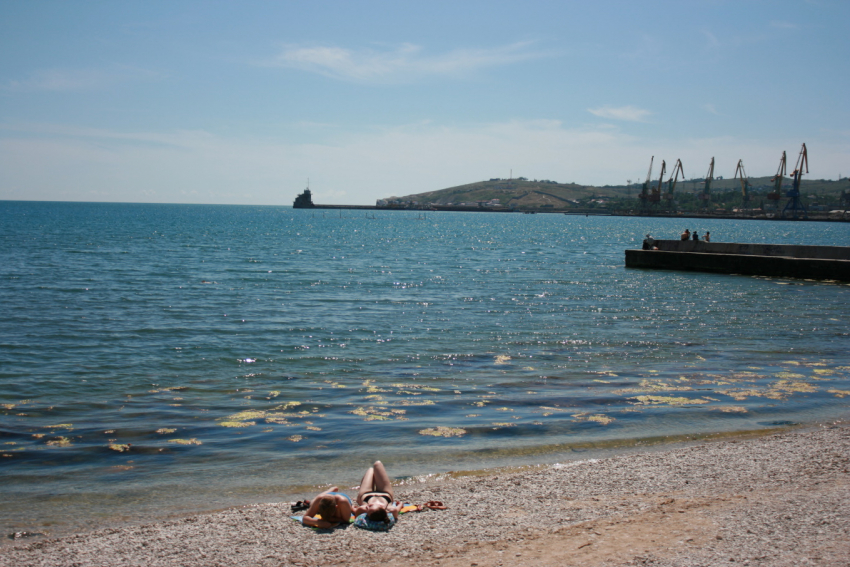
x,y
823,200
814,216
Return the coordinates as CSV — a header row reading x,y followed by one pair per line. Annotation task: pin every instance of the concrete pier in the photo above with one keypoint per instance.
x,y
777,260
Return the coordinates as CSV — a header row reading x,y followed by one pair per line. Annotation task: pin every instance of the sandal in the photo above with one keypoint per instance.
x,y
435,505
300,505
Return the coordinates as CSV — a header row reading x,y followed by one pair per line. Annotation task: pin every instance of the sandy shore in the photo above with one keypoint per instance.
x,y
777,500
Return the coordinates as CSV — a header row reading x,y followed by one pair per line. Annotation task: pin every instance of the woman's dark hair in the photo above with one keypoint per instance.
x,y
379,516
327,507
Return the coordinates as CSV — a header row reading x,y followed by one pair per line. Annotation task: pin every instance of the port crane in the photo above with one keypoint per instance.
x,y
655,196
705,196
795,205
745,182
644,191
778,179
674,177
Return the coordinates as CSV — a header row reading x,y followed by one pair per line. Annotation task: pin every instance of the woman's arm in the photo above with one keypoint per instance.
x,y
314,523
394,509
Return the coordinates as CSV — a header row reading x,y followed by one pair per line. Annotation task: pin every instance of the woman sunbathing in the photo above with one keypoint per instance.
x,y
376,509
332,507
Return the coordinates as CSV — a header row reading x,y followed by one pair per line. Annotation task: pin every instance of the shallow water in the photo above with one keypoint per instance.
x,y
160,359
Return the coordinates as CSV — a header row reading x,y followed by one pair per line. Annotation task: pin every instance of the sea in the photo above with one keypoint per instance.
x,y
162,360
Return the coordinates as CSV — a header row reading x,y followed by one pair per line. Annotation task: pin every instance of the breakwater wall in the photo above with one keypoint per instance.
x,y
777,260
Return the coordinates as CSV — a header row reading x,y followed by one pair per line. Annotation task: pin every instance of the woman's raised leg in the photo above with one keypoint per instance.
x,y
367,484
382,479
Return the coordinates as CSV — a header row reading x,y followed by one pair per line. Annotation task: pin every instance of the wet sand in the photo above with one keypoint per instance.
x,y
778,500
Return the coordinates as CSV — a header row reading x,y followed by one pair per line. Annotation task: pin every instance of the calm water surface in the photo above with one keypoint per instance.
x,y
161,359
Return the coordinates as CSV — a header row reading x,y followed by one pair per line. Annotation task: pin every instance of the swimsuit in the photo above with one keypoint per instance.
x,y
384,495
343,494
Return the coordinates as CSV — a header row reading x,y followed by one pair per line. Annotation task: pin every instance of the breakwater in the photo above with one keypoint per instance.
x,y
782,260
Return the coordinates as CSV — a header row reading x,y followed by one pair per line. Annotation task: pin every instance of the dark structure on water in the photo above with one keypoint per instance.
x,y
777,260
304,200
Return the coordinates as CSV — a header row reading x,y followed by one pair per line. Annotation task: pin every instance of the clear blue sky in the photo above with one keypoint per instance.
x,y
241,102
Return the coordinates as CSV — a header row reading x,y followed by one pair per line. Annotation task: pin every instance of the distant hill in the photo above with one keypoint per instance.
x,y
527,194
518,193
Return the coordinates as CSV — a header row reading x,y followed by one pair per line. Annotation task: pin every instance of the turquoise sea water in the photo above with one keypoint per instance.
x,y
160,359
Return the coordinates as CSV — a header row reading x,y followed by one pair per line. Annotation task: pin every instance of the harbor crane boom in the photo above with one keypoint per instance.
x,y
655,196
644,192
705,196
795,204
674,177
778,179
745,182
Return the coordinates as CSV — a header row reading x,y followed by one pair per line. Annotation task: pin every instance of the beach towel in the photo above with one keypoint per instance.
x,y
365,524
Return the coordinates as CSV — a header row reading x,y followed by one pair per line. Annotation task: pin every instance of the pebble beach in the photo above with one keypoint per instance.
x,y
776,500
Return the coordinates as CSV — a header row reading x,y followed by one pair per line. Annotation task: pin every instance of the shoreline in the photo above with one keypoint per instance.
x,y
768,500
540,457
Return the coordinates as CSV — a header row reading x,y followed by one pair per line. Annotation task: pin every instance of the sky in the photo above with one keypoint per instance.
x,y
226,102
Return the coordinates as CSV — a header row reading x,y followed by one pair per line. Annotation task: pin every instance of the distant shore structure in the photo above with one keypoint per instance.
x,y
304,200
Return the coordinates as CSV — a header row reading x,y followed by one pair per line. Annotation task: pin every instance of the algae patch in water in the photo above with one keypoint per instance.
x,y
415,387
60,442
741,395
786,386
295,438
839,393
191,441
731,409
652,386
417,402
666,400
119,447
443,431
165,430
246,415
378,414
789,375
598,418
